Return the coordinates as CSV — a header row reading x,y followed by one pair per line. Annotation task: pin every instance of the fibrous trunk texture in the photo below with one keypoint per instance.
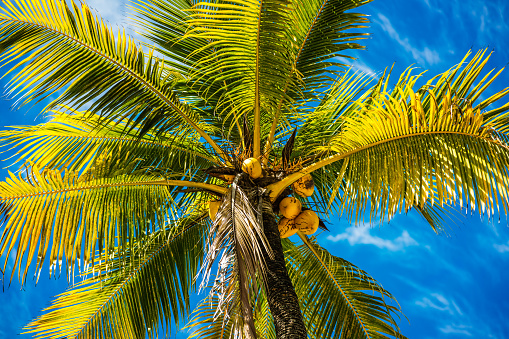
x,y
281,296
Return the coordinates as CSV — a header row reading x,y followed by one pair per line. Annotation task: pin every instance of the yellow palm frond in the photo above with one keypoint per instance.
x,y
338,300
70,215
404,148
71,49
129,300
75,141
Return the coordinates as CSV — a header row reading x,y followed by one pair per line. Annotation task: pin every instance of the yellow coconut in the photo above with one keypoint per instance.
x,y
286,227
290,207
213,208
307,222
252,167
304,186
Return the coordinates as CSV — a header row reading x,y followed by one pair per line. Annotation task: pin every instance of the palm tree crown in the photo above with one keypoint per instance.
x,y
199,155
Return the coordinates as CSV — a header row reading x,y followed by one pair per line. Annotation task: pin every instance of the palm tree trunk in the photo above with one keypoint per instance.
x,y
281,296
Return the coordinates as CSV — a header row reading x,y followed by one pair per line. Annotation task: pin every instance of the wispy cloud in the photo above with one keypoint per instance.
x,y
424,56
439,302
456,329
502,248
359,66
361,235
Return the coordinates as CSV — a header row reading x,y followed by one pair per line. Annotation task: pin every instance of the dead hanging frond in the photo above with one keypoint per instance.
x,y
237,238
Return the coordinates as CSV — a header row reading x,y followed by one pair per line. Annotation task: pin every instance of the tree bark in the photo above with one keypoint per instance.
x,y
281,296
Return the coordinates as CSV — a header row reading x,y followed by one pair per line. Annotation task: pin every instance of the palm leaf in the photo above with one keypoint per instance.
x,y
338,300
130,301
324,31
166,23
401,154
80,214
72,49
208,323
76,140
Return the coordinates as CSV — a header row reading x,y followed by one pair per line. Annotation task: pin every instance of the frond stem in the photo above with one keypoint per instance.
x,y
155,143
270,140
257,124
162,182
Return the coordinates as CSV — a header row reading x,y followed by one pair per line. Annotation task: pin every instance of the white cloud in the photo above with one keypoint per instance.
x,y
358,66
426,55
362,235
439,302
502,248
456,329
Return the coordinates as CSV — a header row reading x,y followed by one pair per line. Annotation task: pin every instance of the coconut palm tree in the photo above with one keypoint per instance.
x,y
163,168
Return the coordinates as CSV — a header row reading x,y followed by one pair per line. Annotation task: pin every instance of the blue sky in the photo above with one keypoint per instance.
x,y
449,286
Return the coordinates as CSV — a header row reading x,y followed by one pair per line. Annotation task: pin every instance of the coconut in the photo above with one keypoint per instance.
x,y
307,222
286,227
213,208
304,186
252,167
290,207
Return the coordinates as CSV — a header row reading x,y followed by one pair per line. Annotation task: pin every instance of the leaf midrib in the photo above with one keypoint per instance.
x,y
162,182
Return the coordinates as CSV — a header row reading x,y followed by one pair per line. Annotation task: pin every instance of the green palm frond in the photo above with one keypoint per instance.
x,y
340,100
76,140
131,300
208,323
247,37
70,215
166,23
407,148
322,34
70,49
338,300
263,318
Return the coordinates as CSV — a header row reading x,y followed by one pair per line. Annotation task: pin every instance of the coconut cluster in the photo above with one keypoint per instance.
x,y
294,218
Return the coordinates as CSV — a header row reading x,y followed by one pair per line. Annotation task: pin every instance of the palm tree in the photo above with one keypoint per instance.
x,y
119,186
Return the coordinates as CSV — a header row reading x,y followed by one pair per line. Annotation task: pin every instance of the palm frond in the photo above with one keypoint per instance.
x,y
131,300
208,323
340,100
247,38
323,31
166,24
71,216
402,152
75,141
263,318
338,300
70,49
